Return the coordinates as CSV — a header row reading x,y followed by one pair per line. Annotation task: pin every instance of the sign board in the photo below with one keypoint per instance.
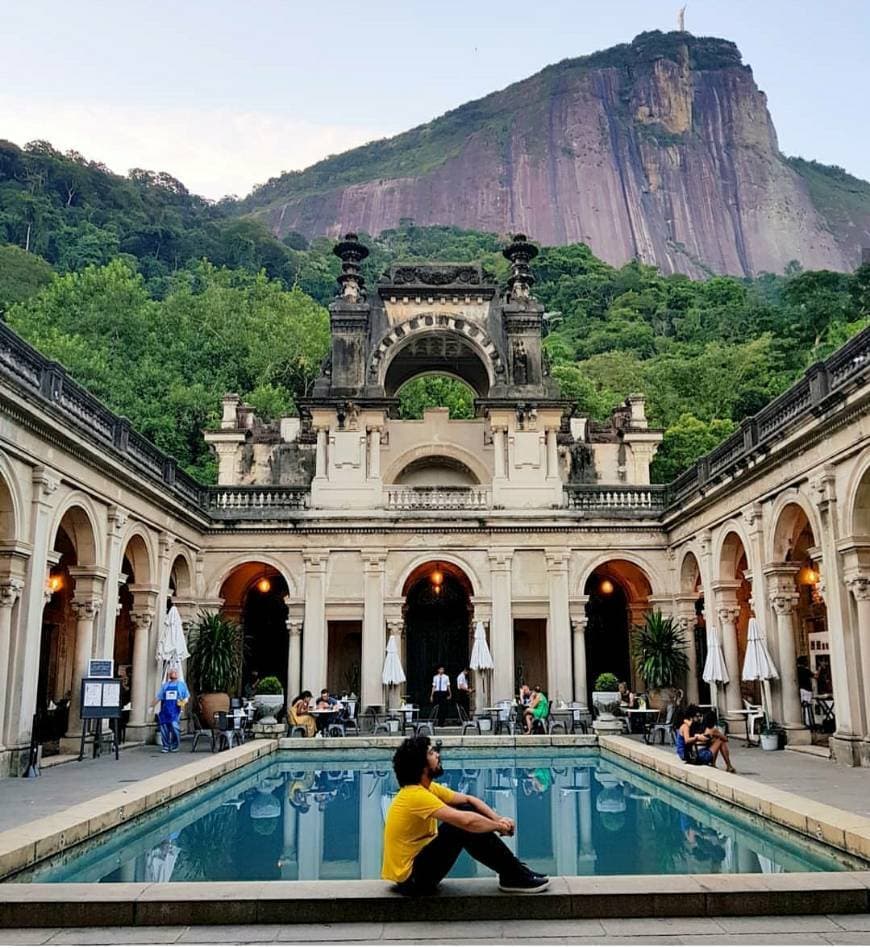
x,y
101,668
101,698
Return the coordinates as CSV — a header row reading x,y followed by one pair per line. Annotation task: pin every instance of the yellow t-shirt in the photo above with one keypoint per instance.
x,y
410,826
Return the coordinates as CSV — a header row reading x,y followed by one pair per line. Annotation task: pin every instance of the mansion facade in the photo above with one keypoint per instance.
x,y
331,531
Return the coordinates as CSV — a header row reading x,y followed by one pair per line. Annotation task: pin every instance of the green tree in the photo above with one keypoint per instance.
x,y
687,439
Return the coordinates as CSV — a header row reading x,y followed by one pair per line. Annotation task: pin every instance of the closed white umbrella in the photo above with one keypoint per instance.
x,y
757,664
393,673
160,861
481,661
715,670
172,646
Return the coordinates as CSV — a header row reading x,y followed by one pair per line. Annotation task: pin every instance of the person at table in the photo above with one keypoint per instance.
x,y
538,709
695,746
525,695
326,703
299,714
463,692
626,695
440,694
428,825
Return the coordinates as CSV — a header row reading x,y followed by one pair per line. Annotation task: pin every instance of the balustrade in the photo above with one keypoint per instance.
x,y
437,498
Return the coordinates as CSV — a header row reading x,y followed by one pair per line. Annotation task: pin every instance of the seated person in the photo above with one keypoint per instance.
x,y
626,696
298,715
695,746
525,695
538,709
326,703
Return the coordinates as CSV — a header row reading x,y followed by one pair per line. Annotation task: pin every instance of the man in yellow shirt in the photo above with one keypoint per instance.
x,y
428,825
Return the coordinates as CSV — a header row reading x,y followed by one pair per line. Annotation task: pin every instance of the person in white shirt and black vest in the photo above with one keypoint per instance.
x,y
440,694
463,692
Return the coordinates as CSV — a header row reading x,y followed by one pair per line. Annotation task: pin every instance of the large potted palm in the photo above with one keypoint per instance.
x,y
215,662
659,652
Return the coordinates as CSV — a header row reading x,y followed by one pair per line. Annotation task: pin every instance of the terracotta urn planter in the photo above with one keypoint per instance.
x,y
210,703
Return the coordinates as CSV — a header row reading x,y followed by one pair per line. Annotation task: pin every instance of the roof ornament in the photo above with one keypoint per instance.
x,y
351,282
520,252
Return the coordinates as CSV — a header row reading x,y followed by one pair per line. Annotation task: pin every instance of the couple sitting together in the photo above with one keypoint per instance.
x,y
698,740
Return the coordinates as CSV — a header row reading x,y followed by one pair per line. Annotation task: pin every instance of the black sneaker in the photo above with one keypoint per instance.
x,y
529,882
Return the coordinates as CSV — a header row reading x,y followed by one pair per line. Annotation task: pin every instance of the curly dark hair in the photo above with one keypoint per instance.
x,y
409,761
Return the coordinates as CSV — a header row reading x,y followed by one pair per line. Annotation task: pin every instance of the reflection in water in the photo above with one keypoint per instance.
x,y
575,816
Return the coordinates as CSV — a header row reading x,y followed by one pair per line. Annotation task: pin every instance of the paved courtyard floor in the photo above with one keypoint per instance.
x,y
760,930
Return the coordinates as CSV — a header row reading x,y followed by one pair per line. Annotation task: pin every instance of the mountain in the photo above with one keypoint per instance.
x,y
661,149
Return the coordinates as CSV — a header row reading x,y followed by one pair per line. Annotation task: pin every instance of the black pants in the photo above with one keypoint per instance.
x,y
441,706
436,859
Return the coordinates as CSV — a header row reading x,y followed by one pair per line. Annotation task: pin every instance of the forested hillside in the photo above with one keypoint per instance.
x,y
160,302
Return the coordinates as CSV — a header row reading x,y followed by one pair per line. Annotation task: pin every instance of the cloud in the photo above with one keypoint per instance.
x,y
214,152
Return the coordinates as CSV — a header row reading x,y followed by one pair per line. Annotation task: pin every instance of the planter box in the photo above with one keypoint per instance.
x,y
770,742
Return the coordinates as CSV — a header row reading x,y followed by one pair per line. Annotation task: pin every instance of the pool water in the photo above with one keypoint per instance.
x,y
577,813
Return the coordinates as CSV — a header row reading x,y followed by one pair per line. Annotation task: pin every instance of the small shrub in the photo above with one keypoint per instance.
x,y
270,685
606,681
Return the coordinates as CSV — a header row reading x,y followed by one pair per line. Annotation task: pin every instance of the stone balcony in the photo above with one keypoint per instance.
x,y
601,500
437,498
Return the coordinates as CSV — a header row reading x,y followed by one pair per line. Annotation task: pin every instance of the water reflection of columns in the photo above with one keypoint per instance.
x,y
309,845
503,799
371,825
563,819
586,859
288,864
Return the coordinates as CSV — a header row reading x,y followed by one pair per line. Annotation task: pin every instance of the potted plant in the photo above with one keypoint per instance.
x,y
659,652
771,735
605,691
269,698
215,662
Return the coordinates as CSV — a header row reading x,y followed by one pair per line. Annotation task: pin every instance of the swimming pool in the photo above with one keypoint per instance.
x,y
296,816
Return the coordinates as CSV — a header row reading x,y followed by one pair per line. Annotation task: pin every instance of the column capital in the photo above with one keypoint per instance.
x,y
859,586
117,518
753,516
294,627
142,619
705,541
164,545
728,615
579,623
45,482
500,559
782,601
86,609
315,562
557,560
396,627
10,590
374,561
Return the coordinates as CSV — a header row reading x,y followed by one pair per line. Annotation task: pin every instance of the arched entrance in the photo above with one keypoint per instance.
x,y
618,594
438,615
254,596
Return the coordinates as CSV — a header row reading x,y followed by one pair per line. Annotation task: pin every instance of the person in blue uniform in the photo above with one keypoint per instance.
x,y
173,696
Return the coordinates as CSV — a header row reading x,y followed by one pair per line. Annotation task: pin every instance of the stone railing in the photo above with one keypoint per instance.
x,y
437,498
617,500
253,503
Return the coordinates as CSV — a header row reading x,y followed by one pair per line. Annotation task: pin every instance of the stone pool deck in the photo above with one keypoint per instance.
x,y
75,801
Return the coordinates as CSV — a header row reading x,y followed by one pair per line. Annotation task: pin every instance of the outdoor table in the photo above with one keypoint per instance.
x,y
644,718
825,704
324,718
746,715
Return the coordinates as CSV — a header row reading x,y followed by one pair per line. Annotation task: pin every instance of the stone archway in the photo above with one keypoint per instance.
x,y
618,594
254,595
691,615
438,613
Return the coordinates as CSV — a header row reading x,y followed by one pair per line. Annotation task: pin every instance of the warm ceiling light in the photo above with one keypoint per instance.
x,y
264,585
437,589
606,587
437,578
807,576
55,582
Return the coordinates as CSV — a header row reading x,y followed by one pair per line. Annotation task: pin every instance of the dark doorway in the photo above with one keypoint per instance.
x,y
607,643
267,643
437,621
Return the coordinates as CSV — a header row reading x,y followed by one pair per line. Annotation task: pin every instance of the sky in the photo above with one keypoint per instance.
x,y
224,95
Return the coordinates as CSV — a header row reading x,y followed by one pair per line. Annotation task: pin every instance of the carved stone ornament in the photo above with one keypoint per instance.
x,y
142,619
728,615
294,627
859,586
579,623
433,275
86,609
783,603
9,592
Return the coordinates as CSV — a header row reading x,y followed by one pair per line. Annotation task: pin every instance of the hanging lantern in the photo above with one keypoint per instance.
x,y
264,585
606,587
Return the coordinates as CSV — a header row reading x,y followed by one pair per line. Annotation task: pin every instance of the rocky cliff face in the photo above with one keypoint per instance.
x,y
662,149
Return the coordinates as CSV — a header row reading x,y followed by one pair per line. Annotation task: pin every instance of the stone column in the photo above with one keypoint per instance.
x,y
320,454
142,616
294,658
10,590
783,597
686,620
559,670
314,644
552,455
375,453
394,627
372,660
26,648
727,613
859,587
579,621
105,632
86,608
498,446
227,455
501,638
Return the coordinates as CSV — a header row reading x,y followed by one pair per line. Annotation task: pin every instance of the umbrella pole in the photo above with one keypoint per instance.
x,y
766,698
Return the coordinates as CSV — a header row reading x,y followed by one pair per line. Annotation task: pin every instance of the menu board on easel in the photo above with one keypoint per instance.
x,y
101,698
